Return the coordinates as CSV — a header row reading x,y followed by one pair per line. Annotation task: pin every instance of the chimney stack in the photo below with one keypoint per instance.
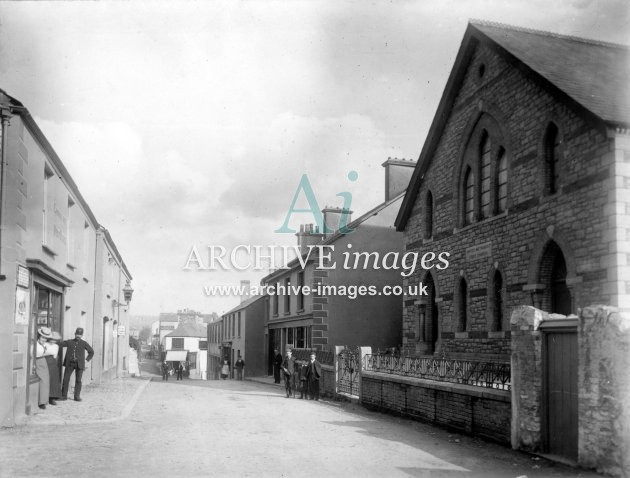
x,y
336,218
245,290
397,176
308,236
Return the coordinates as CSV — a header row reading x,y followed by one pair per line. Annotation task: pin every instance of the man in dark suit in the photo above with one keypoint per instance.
x,y
277,363
313,374
75,362
288,369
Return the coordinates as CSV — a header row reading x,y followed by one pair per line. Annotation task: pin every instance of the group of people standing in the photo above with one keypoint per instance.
x,y
168,370
308,374
47,349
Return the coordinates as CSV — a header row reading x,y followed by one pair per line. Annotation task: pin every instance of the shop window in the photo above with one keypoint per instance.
x,y
46,313
300,341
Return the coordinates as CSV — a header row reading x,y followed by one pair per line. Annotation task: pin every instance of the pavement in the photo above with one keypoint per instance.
x,y
105,402
138,427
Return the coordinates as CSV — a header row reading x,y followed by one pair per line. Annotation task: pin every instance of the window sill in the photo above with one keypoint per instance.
x,y
482,221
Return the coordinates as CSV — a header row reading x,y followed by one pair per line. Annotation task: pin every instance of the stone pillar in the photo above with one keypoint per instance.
x,y
527,376
604,390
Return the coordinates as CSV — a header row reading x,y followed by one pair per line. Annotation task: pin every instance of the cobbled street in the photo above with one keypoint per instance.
x,y
230,428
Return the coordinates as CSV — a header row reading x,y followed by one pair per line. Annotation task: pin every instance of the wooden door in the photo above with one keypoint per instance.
x,y
561,396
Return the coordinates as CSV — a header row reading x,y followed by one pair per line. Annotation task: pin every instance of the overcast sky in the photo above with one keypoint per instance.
x,y
191,123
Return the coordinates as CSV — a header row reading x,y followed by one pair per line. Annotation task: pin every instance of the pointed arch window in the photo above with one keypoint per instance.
x,y
469,195
497,312
502,177
485,156
463,305
428,216
552,155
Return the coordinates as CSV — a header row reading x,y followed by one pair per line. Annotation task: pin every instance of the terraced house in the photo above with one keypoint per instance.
x,y
59,267
523,179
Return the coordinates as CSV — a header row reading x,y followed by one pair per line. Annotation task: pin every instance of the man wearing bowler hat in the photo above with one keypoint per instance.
x,y
75,362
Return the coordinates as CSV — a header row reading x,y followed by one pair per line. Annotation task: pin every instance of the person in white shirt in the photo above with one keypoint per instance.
x,y
52,350
41,367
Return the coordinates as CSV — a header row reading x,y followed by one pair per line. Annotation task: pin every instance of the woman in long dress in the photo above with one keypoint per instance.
x,y
41,367
52,349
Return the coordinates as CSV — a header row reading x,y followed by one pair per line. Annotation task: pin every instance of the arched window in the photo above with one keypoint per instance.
x,y
485,156
502,176
469,196
431,320
428,216
497,306
553,274
552,155
463,305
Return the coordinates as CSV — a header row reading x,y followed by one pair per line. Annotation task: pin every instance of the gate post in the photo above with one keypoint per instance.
x,y
527,378
338,350
363,352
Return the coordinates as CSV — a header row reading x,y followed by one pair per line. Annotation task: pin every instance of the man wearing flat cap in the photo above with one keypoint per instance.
x,y
75,362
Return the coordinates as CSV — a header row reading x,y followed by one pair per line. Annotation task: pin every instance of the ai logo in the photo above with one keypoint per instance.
x,y
305,187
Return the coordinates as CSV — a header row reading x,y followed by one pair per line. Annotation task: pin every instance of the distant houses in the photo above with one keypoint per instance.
x,y
239,332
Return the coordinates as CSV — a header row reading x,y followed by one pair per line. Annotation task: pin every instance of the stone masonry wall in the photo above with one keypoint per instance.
x,y
474,410
604,390
527,378
513,241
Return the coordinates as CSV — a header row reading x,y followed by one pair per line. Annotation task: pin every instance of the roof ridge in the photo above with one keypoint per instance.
x,y
591,41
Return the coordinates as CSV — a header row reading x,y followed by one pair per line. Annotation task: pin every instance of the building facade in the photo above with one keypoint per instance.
x,y
48,251
240,331
523,180
188,344
329,315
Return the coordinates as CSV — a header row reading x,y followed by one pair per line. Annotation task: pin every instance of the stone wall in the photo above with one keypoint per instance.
x,y
604,390
527,377
474,410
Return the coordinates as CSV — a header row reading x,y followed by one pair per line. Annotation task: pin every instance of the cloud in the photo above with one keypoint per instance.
x,y
264,180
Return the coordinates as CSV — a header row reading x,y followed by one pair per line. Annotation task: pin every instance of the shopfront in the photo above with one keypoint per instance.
x,y
47,293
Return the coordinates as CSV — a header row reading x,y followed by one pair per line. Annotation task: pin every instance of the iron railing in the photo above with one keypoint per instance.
x,y
496,375
327,358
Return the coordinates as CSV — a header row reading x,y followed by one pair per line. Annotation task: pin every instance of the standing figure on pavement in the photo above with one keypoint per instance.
x,y
313,374
288,369
165,370
41,367
303,380
240,365
225,370
277,363
52,350
75,362
180,371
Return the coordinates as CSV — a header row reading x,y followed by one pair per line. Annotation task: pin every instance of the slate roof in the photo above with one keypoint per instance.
x,y
189,330
590,75
243,304
593,73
